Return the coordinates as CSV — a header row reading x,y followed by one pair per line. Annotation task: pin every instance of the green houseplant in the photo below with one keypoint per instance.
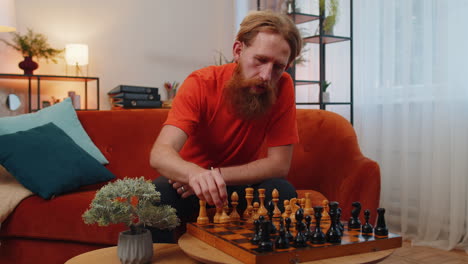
x,y
133,202
32,45
329,10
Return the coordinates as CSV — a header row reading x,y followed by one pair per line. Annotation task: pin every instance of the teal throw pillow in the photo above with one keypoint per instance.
x,y
48,162
64,116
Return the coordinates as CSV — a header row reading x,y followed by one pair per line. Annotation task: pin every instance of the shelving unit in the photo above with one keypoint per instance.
x,y
322,40
35,81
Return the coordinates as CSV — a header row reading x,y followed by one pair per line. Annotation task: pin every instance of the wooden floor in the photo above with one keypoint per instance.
x,y
412,255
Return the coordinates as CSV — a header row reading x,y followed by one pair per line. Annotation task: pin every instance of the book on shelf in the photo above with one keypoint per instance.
x,y
133,89
136,103
137,96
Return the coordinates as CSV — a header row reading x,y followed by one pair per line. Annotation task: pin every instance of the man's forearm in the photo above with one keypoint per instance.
x,y
276,165
168,162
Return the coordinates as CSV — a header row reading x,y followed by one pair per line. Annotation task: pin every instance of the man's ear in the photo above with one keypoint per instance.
x,y
237,50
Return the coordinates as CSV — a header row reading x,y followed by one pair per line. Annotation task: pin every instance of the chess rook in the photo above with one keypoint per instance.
x,y
381,228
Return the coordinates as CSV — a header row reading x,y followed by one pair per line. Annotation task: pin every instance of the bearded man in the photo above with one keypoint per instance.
x,y
210,144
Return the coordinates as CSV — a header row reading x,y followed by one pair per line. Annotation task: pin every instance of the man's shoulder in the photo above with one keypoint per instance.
x,y
215,72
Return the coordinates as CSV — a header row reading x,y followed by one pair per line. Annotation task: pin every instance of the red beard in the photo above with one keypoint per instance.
x,y
243,100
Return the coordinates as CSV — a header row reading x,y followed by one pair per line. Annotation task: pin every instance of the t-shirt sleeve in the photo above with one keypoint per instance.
x,y
185,111
282,129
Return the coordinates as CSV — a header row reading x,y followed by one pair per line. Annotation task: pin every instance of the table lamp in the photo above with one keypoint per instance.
x,y
77,55
7,16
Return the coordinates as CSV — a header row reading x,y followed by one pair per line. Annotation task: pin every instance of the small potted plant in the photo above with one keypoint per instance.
x,y
133,202
330,12
32,45
325,93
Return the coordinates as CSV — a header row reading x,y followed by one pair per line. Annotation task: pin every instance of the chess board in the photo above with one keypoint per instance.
x,y
234,240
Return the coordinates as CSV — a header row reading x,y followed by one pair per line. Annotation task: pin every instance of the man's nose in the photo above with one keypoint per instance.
x,y
266,72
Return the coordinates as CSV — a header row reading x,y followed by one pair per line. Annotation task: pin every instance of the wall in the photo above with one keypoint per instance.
x,y
138,42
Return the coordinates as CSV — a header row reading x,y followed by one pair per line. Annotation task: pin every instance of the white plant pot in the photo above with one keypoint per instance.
x,y
326,97
135,249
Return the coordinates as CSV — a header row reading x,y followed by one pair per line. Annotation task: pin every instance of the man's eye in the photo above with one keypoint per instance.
x,y
278,67
259,60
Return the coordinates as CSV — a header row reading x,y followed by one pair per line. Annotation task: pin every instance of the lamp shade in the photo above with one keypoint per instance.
x,y
76,54
7,16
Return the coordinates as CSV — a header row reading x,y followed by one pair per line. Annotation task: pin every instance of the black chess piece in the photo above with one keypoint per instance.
x,y
289,236
299,240
266,244
256,237
381,228
318,237
271,208
333,234
281,240
354,222
339,223
367,229
308,232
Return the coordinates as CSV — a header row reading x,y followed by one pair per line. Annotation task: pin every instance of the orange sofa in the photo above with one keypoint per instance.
x,y
327,160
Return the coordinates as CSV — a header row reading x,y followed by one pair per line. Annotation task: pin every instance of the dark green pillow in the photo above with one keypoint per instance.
x,y
48,162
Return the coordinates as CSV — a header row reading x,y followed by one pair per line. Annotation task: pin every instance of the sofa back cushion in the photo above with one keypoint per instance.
x,y
125,137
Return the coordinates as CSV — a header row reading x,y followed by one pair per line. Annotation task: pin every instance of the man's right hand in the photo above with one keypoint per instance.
x,y
209,186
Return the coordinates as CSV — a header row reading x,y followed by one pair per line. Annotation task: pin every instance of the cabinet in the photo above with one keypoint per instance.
x,y
31,88
310,84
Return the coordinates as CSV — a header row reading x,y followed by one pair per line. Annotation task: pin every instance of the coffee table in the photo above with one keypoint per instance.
x,y
163,253
201,251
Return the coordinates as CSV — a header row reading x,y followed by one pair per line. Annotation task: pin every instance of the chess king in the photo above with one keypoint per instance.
x,y
211,142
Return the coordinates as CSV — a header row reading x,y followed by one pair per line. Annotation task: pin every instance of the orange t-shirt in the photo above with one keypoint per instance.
x,y
216,137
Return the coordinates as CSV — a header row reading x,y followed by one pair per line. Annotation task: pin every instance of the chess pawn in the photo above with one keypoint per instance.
x,y
308,232
249,208
234,216
287,209
308,210
354,222
282,240
266,244
318,237
381,228
255,211
367,229
219,212
202,217
224,218
256,237
287,222
261,197
339,223
302,202
275,199
271,209
325,216
299,240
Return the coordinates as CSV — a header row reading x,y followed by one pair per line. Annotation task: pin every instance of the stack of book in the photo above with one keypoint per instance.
x,y
129,96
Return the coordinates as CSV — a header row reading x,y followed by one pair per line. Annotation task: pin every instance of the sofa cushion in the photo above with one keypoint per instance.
x,y
59,219
11,193
64,116
48,162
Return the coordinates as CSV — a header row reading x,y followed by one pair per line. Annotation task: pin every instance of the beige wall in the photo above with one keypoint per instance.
x,y
139,42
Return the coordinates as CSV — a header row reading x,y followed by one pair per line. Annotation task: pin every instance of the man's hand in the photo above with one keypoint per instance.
x,y
209,186
182,189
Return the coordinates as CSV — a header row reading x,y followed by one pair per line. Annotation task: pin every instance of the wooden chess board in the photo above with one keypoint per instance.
x,y
234,240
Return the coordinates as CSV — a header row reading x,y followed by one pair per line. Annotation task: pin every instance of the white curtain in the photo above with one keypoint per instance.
x,y
411,113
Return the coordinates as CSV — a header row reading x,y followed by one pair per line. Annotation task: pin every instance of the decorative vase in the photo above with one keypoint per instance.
x,y
28,65
326,97
135,248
